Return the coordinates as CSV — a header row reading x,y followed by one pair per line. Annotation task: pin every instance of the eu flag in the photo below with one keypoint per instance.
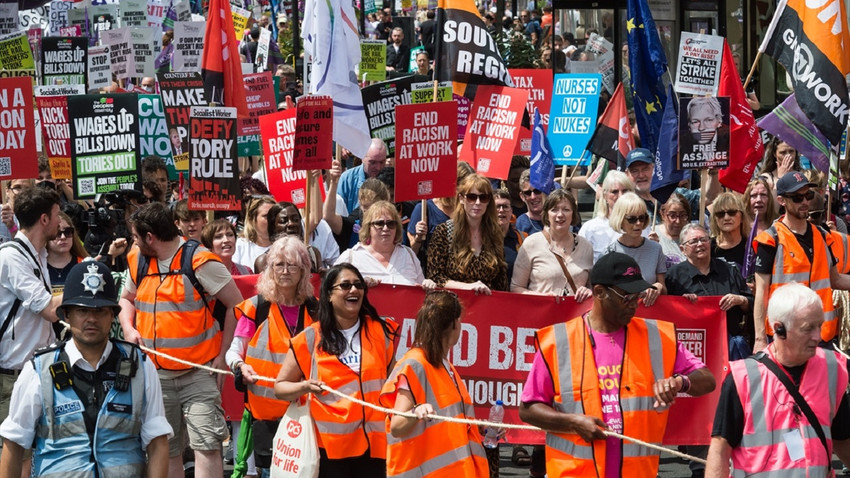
x,y
666,175
542,173
647,64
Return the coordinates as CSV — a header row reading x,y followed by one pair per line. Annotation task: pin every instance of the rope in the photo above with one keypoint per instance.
x,y
389,411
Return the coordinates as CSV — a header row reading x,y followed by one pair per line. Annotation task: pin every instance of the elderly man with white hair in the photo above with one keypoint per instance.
x,y
784,411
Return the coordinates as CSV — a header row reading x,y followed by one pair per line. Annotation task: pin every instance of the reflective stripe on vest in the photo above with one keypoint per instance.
x,y
171,316
63,445
762,451
650,352
346,429
791,264
840,247
437,463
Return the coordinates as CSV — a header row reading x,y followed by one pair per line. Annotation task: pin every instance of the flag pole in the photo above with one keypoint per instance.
x,y
752,70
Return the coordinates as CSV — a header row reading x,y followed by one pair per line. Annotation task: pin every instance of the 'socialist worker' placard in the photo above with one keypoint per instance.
x,y
572,116
426,143
104,143
704,132
212,156
493,130
699,64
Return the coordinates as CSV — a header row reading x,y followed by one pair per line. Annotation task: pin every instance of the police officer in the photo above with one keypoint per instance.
x,y
90,405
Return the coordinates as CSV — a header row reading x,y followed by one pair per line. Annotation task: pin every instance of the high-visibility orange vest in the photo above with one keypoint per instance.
x,y
839,244
266,351
346,429
434,448
170,314
649,355
792,265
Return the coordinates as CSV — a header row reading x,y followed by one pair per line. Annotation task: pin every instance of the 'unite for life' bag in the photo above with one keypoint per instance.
x,y
295,452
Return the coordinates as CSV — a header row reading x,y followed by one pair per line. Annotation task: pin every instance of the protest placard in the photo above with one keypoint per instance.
x,y
52,104
155,13
214,170
699,64
259,94
8,17
278,134
180,91
63,60
240,20
604,51
37,18
101,18
704,132
144,42
493,130
188,46
572,116
99,70
153,132
73,31
58,16
133,13
120,46
373,60
538,83
423,92
412,66
380,101
313,133
426,151
15,53
18,154
104,143
261,61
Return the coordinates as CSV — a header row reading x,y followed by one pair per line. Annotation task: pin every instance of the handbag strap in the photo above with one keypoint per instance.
x,y
798,398
561,263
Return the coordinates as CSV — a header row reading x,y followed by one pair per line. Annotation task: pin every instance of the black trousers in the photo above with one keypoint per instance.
x,y
362,466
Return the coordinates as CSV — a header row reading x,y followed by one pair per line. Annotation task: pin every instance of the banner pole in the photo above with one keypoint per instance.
x,y
654,212
703,191
752,70
307,193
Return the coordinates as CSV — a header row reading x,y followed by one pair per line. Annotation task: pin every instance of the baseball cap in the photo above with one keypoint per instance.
x,y
90,284
616,268
639,154
793,181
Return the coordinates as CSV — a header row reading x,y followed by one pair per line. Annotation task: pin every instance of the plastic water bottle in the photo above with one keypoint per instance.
x,y
497,415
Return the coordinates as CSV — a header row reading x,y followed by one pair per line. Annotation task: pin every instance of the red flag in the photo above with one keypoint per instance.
x,y
745,145
221,67
613,136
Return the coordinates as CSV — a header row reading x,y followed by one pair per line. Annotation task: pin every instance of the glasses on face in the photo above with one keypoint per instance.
x,y
389,223
503,207
528,192
798,198
282,267
682,216
644,218
698,240
67,232
16,189
472,197
730,213
618,191
628,298
347,286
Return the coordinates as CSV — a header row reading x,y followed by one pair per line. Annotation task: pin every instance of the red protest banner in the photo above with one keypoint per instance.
x,y
259,92
18,154
53,111
493,130
539,85
213,166
313,133
426,150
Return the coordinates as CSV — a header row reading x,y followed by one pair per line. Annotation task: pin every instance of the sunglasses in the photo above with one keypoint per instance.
x,y
798,198
528,192
628,298
730,213
67,232
472,197
347,286
390,224
644,218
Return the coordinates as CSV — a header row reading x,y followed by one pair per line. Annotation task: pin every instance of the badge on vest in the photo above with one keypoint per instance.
x,y
71,407
794,443
119,407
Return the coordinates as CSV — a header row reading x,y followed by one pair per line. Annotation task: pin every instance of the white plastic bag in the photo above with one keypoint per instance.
x,y
295,452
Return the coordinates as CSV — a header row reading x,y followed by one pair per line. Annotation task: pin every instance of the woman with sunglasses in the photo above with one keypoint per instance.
x,y
283,306
424,381
598,230
467,252
255,238
729,228
349,348
629,218
380,256
675,213
63,252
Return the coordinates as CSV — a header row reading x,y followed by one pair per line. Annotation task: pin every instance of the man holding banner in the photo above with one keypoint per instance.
x,y
585,370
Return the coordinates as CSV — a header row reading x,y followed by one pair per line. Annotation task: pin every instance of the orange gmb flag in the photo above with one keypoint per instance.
x,y
221,67
811,41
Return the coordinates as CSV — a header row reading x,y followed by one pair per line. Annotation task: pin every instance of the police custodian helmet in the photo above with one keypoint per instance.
x,y
90,284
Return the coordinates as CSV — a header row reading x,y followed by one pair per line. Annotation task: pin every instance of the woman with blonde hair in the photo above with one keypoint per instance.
x,y
597,230
729,228
380,256
255,238
467,252
760,199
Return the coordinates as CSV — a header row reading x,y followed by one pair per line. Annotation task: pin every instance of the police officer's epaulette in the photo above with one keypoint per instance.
x,y
50,348
135,347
